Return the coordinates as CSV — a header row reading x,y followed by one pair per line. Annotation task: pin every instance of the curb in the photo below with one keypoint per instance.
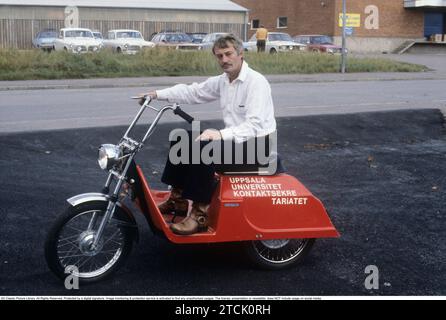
x,y
169,81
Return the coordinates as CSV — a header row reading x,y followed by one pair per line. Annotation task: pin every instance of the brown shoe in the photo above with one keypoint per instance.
x,y
175,204
195,222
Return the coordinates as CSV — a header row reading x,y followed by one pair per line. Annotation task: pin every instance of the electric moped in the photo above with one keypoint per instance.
x,y
275,218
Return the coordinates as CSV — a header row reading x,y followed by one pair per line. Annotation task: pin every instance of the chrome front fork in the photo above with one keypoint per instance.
x,y
113,199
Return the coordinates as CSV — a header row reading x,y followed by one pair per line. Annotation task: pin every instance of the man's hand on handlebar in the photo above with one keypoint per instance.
x,y
142,96
209,134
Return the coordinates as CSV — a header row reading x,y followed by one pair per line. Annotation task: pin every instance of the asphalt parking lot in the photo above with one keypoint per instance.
x,y
380,176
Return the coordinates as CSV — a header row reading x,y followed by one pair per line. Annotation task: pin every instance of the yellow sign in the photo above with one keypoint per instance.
x,y
353,20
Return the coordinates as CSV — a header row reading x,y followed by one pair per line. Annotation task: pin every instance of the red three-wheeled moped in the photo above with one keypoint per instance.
x,y
275,218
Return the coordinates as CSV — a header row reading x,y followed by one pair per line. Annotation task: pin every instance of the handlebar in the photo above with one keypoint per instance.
x,y
182,114
145,100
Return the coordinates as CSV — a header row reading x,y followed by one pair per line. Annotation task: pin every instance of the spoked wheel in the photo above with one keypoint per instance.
x,y
69,246
277,253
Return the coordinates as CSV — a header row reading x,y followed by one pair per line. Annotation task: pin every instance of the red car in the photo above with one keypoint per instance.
x,y
318,43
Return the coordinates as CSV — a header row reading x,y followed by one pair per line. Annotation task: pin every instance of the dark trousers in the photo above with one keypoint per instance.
x,y
198,180
261,45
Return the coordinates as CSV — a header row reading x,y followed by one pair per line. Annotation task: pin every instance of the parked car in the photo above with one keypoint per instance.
x,y
163,31
126,41
97,35
175,40
197,37
208,41
45,39
77,40
276,42
318,43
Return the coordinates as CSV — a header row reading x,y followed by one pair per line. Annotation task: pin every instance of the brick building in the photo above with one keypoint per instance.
x,y
381,25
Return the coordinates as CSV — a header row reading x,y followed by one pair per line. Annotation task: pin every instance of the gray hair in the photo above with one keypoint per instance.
x,y
224,42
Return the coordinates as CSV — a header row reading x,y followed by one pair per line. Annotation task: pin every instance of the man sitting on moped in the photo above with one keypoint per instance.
x,y
248,113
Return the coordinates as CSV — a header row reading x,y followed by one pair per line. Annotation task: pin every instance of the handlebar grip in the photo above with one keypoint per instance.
x,y
183,114
145,99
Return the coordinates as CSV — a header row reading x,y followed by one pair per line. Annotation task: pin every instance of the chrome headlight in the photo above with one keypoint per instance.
x,y
108,156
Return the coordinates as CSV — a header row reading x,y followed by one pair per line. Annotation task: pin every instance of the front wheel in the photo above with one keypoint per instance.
x,y
69,250
278,253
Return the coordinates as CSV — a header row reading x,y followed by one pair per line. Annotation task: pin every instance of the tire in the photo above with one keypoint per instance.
x,y
277,254
273,51
118,50
69,233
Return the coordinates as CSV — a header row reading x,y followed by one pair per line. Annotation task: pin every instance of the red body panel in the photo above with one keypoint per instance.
x,y
252,208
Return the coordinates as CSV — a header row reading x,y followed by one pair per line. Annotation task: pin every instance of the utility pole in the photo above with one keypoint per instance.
x,y
245,29
344,22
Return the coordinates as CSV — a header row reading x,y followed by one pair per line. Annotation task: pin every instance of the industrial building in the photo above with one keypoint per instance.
x,y
21,20
376,25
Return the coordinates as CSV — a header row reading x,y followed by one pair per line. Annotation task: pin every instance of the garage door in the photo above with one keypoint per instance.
x,y
434,23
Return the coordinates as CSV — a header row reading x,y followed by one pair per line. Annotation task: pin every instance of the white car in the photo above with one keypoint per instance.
x,y
126,41
77,40
276,42
209,40
98,36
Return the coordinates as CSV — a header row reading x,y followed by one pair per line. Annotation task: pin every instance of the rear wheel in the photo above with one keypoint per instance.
x,y
69,250
277,253
273,51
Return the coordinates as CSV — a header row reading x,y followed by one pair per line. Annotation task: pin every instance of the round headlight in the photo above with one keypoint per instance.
x,y
108,156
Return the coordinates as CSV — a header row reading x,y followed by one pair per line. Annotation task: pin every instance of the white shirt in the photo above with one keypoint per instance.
x,y
246,103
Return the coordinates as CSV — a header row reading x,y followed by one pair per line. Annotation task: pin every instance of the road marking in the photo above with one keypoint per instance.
x,y
352,105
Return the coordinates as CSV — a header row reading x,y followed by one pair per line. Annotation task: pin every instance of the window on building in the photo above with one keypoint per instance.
x,y
255,23
282,22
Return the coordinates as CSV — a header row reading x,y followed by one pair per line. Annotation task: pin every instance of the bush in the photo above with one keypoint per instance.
x,y
37,64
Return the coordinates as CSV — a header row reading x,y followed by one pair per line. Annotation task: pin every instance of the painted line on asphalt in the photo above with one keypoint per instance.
x,y
350,105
